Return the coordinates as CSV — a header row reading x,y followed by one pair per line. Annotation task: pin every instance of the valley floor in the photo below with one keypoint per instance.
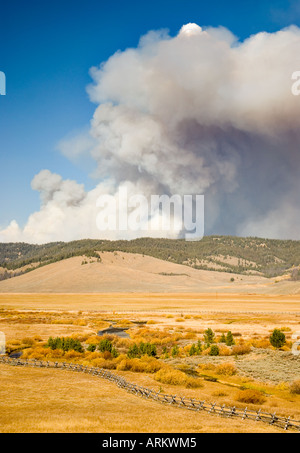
x,y
49,400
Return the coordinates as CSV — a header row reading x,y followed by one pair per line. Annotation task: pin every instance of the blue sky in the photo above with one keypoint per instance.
x,y
46,51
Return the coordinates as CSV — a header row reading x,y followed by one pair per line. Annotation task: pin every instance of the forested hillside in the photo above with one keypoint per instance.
x,y
224,253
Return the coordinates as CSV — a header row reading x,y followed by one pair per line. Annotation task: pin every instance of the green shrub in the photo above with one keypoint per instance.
x,y
214,350
114,353
105,345
91,348
222,339
277,339
192,350
195,349
141,349
147,349
209,336
229,339
175,351
64,343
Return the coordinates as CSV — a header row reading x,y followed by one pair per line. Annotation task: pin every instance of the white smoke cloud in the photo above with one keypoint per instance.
x,y
198,113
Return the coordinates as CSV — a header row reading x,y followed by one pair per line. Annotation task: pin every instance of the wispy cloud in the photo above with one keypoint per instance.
x,y
287,16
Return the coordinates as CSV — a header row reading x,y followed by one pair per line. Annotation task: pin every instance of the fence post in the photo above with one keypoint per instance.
x,y
212,408
287,423
244,414
200,405
232,412
182,401
192,402
149,393
258,415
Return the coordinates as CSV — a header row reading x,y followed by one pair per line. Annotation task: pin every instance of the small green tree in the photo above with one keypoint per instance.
x,y
105,345
133,351
75,345
193,350
147,349
114,353
229,339
209,336
214,350
91,348
199,347
50,343
64,343
277,339
153,351
175,351
223,338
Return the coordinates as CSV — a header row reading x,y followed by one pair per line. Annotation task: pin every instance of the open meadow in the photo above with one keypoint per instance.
x,y
212,347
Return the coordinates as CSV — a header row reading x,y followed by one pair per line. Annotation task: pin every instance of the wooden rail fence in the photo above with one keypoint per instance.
x,y
285,423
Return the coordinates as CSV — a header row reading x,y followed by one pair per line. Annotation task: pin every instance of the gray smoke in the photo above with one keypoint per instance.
x,y
198,113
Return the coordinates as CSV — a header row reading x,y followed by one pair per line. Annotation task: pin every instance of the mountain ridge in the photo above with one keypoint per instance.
x,y
231,254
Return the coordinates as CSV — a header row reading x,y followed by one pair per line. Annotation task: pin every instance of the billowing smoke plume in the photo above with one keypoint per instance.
x,y
198,113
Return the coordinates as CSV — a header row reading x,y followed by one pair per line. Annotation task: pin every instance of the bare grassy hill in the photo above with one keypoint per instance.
x,y
130,272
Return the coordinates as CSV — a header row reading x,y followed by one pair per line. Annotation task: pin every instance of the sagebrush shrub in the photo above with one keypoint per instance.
x,y
28,341
109,365
99,362
224,350
262,343
94,339
206,366
168,375
192,383
250,396
37,353
295,387
227,369
55,354
72,355
240,349
144,364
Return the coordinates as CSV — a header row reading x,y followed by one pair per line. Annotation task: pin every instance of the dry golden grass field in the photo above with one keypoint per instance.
x,y
47,400
143,301
41,400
